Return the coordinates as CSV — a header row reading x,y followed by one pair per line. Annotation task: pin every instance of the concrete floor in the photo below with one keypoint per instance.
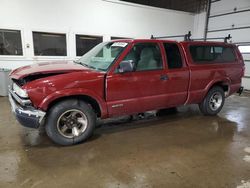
x,y
183,149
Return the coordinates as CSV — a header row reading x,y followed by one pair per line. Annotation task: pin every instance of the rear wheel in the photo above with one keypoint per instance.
x,y
213,102
70,122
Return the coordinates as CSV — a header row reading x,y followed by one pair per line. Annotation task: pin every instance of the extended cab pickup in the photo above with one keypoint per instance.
x,y
124,77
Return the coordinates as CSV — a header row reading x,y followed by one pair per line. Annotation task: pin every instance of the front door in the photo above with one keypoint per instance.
x,y
144,88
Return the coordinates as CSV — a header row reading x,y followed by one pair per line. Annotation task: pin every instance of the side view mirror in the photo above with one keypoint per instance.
x,y
126,66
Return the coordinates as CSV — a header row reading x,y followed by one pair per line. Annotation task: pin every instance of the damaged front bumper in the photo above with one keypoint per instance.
x,y
26,115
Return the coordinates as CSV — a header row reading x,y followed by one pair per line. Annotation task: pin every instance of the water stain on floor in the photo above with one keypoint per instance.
x,y
172,148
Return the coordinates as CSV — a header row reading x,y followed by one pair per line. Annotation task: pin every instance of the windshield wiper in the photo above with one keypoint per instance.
x,y
85,65
89,66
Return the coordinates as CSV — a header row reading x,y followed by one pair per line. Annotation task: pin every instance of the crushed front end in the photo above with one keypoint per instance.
x,y
21,105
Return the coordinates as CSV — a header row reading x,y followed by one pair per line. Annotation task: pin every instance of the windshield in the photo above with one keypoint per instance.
x,y
103,55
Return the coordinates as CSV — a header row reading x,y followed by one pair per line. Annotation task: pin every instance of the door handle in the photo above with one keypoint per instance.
x,y
164,77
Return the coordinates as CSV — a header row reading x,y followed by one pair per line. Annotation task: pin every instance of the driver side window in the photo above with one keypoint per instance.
x,y
145,56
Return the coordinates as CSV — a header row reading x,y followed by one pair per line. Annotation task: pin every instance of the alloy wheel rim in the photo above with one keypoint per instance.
x,y
72,123
215,101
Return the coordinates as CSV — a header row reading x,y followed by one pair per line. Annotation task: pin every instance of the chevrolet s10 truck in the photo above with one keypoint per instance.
x,y
124,77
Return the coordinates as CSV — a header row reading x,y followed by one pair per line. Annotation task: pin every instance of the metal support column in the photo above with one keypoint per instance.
x,y
207,19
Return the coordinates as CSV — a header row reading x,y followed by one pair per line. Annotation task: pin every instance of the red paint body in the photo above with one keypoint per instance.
x,y
132,92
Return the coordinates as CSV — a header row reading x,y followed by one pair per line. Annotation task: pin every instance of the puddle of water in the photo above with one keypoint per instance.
x,y
247,158
247,149
244,184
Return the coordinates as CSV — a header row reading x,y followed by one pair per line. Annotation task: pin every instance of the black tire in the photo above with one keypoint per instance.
x,y
58,113
209,108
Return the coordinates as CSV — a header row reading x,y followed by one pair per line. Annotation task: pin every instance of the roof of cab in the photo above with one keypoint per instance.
x,y
162,40
142,40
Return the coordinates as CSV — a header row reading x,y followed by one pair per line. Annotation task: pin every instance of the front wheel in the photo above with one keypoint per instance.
x,y
70,122
213,102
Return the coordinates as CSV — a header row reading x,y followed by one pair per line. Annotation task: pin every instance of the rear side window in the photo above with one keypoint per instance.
x,y
212,54
173,55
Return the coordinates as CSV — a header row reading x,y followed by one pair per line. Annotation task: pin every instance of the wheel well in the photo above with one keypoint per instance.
x,y
94,104
223,85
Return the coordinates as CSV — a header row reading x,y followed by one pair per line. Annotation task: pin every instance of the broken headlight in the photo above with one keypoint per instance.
x,y
19,91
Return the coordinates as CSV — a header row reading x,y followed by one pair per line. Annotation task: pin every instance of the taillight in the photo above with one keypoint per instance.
x,y
243,70
241,61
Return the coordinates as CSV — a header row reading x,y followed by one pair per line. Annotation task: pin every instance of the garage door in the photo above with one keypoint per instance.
x,y
232,17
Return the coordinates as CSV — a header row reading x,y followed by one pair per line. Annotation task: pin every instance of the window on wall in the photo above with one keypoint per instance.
x,y
212,54
244,49
49,44
84,43
10,42
117,38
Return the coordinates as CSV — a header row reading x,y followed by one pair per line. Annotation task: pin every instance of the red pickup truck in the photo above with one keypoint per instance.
x,y
124,77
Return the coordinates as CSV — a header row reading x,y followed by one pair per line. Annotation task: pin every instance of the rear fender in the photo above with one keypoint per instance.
x,y
223,82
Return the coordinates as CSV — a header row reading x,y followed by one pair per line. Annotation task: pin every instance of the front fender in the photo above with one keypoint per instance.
x,y
73,92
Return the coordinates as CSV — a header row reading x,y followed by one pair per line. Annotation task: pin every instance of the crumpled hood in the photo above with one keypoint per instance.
x,y
47,68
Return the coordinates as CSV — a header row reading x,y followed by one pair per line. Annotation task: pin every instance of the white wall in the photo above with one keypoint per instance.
x,y
199,25
95,17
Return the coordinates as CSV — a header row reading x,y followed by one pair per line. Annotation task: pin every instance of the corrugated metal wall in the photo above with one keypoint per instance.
x,y
232,17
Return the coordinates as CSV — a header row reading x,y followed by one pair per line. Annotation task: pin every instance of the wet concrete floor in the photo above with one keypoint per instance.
x,y
182,149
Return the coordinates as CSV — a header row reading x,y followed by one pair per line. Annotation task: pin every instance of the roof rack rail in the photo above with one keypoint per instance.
x,y
242,43
187,37
215,38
